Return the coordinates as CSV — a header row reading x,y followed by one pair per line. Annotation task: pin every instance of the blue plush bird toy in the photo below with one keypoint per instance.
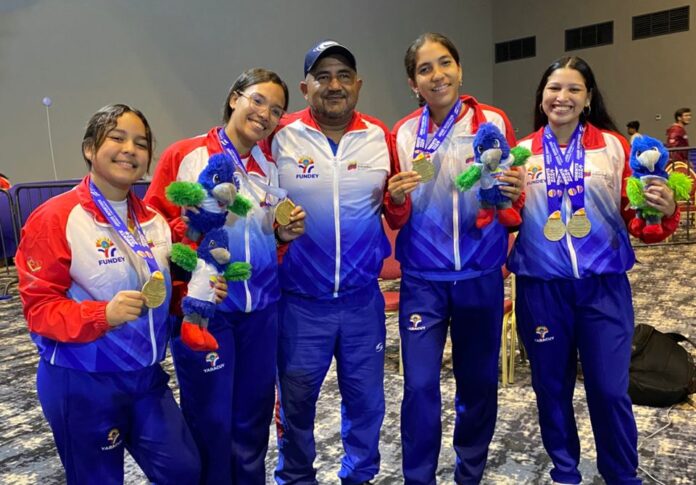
x,y
492,156
211,260
648,162
209,199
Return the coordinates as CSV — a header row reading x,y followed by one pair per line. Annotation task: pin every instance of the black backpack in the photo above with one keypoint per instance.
x,y
662,372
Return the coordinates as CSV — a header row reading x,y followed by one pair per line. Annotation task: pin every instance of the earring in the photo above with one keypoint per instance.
x,y
461,82
541,110
417,95
589,110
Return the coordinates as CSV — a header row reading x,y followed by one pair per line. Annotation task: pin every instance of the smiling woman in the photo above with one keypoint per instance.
x,y
100,337
452,280
576,300
118,151
230,409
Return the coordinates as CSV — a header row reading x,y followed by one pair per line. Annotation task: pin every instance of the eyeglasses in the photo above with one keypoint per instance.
x,y
259,103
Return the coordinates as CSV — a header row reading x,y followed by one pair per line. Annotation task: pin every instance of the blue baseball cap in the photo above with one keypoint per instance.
x,y
323,49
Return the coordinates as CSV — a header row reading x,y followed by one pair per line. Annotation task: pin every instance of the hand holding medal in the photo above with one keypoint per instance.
x,y
422,152
283,212
424,167
290,219
125,306
402,184
154,290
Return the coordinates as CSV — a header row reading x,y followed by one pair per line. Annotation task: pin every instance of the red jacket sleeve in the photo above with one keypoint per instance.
x,y
166,173
395,215
43,267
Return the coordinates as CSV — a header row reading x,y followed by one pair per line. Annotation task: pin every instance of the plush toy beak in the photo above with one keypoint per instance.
x,y
649,158
225,193
491,158
221,255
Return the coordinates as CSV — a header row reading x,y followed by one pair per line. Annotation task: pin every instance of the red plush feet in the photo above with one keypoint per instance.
x,y
197,338
509,217
653,233
636,225
484,217
210,342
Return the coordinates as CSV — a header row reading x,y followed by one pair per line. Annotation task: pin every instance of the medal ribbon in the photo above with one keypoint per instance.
x,y
564,172
115,220
233,155
440,134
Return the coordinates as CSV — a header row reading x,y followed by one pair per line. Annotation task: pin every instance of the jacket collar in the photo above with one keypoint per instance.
x,y
85,197
356,123
592,139
213,145
470,103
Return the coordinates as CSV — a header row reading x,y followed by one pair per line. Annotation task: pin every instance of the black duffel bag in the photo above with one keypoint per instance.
x,y
662,372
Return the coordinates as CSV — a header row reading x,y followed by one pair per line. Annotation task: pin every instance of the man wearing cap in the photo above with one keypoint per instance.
x,y
335,162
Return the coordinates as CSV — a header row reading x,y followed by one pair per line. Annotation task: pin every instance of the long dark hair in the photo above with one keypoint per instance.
x,y
412,53
598,114
251,77
105,120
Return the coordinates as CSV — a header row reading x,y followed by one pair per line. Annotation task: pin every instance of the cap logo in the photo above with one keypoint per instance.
x,y
325,45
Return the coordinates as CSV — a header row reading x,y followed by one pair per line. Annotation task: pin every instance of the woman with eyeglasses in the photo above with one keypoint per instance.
x,y
228,396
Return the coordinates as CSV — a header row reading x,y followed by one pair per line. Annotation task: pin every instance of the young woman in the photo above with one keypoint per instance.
x,y
228,396
452,276
571,259
95,284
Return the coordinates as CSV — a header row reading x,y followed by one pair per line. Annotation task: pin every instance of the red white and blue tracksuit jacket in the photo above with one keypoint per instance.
x,y
343,195
251,237
607,248
71,263
440,240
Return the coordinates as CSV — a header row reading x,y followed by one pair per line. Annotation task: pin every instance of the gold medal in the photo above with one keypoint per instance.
x,y
554,229
154,290
283,211
424,167
579,225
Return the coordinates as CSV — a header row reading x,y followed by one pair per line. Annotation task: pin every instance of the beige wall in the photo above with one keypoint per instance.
x,y
639,79
175,59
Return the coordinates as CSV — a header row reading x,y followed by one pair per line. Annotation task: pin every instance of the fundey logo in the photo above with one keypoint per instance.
x,y
306,164
106,248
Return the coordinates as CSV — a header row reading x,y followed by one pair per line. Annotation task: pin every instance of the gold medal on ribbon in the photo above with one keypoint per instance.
x,y
554,229
283,211
424,167
579,225
154,290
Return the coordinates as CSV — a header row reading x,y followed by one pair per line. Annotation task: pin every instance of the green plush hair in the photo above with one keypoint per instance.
x,y
185,193
184,256
520,155
469,177
634,192
240,206
238,271
681,185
